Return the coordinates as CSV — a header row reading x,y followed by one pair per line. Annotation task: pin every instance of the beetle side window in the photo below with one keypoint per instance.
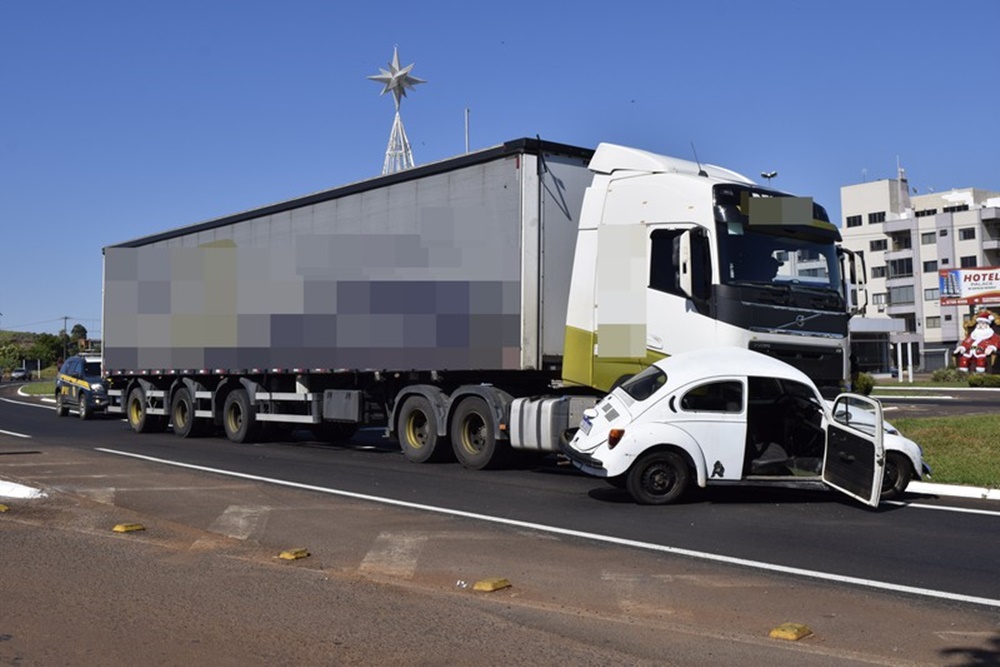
x,y
724,396
644,384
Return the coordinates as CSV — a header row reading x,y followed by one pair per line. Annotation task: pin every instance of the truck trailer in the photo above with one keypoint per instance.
x,y
472,306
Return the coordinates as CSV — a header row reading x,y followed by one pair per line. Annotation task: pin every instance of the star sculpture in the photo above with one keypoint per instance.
x,y
396,79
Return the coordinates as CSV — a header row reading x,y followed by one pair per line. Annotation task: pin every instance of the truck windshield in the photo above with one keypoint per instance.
x,y
794,248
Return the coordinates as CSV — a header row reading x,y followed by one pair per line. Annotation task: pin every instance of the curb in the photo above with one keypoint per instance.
x,y
954,490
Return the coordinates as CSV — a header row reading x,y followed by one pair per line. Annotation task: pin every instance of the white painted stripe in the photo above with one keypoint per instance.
x,y
12,433
239,521
394,554
943,508
701,555
28,403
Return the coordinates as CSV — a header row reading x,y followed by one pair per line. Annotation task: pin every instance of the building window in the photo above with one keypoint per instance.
x,y
901,268
901,295
930,267
925,212
933,322
967,234
902,241
932,294
945,261
878,272
955,209
879,244
876,217
969,261
943,233
854,221
878,299
927,238
947,318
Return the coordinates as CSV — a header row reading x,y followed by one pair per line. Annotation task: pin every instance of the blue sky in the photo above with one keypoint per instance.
x,y
120,119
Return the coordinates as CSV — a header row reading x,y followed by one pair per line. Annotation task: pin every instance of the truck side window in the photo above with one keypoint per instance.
x,y
663,261
724,396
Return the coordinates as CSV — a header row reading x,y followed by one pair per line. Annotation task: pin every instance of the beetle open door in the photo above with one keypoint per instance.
x,y
855,457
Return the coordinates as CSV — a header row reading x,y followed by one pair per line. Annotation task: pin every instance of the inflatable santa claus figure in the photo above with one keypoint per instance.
x,y
982,342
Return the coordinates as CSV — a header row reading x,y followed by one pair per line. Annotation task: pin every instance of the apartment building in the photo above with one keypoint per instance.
x,y
906,239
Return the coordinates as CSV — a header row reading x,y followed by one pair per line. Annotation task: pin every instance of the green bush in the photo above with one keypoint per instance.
x,y
983,380
863,384
949,375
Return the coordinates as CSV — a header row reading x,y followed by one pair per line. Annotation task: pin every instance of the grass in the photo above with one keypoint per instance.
x,y
44,388
959,450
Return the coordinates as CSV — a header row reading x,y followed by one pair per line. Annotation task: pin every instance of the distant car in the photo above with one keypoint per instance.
x,y
730,417
79,385
20,374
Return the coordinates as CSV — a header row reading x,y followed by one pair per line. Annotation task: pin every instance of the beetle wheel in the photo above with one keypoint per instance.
x,y
658,478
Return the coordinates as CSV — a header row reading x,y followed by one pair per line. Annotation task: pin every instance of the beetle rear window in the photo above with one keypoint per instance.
x,y
715,397
643,385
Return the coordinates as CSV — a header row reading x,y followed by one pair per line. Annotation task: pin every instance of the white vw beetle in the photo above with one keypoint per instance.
x,y
732,416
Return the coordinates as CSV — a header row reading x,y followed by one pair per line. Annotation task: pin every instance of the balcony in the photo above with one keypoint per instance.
x,y
900,309
901,225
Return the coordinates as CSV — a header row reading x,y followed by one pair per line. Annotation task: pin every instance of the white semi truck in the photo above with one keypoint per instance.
x,y
472,306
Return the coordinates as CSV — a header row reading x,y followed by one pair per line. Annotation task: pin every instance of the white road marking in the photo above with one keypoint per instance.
x,y
943,508
12,433
394,554
647,546
28,403
240,521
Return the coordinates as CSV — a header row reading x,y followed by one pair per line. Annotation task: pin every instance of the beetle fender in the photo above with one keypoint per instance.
x,y
638,441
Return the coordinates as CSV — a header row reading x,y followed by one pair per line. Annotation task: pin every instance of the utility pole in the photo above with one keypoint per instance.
x,y
65,319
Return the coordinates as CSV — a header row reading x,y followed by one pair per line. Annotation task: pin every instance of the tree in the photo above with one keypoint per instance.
x,y
78,333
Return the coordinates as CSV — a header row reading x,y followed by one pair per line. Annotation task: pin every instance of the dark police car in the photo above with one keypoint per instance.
x,y
79,385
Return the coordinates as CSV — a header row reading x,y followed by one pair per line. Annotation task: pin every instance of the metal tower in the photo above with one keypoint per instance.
x,y
396,80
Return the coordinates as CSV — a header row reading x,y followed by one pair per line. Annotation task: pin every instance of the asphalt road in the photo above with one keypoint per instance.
x,y
934,548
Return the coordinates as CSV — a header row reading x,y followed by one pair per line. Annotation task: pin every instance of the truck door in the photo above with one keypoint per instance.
x,y
855,457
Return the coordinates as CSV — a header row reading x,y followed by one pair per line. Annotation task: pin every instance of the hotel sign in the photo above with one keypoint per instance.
x,y
969,287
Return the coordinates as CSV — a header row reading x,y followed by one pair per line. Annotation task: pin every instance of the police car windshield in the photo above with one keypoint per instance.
x,y
92,368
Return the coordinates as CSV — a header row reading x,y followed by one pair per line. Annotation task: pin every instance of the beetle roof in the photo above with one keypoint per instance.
x,y
727,361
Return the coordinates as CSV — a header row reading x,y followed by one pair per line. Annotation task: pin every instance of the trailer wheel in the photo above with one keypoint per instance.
x,y
135,411
658,478
238,418
897,475
417,430
83,406
182,414
61,409
473,436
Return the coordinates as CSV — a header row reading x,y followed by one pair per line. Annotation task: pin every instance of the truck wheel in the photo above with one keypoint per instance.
x,y
658,478
84,407
61,409
417,429
138,418
896,477
238,418
473,436
182,414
